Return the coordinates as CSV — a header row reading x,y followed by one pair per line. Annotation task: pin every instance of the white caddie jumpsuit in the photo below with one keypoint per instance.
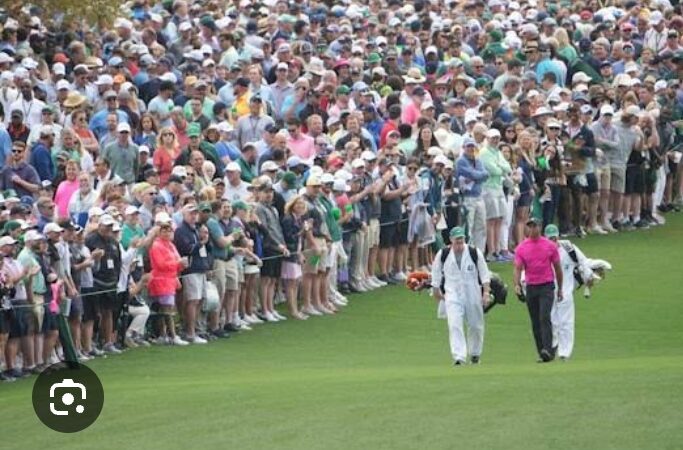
x,y
462,295
562,314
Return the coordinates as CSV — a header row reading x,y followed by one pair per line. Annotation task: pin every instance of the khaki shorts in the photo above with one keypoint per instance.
x,y
604,178
194,286
225,275
617,179
494,201
38,312
315,260
373,233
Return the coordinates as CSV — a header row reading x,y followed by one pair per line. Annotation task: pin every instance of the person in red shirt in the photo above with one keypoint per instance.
x,y
391,124
539,258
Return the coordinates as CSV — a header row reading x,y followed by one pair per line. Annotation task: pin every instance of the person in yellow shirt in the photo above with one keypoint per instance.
x,y
240,107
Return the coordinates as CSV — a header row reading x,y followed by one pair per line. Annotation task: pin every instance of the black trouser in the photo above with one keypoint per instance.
x,y
539,300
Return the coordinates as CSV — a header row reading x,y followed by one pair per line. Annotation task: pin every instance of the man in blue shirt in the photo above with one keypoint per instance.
x,y
41,154
98,123
470,173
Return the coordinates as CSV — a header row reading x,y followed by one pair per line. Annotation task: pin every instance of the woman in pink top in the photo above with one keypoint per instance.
x,y
166,266
411,112
539,258
165,154
66,188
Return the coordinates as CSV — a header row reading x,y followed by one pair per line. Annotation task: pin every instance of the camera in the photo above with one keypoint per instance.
x,y
67,398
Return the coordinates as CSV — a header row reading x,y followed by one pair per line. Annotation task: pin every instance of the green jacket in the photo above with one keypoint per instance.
x,y
497,167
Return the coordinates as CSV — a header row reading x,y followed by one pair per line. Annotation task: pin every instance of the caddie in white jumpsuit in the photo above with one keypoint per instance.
x,y
463,296
562,314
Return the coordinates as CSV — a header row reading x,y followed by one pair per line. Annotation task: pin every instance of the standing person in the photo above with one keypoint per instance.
x,y
166,265
540,261
562,315
106,277
295,230
461,278
122,155
471,174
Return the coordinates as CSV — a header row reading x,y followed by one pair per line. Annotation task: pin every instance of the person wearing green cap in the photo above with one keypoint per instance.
x,y
574,263
461,278
194,132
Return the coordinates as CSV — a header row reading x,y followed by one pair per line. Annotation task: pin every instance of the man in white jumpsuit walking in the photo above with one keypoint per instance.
x,y
562,313
462,281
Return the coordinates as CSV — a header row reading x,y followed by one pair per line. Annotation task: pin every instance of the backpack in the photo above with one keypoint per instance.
x,y
571,251
444,255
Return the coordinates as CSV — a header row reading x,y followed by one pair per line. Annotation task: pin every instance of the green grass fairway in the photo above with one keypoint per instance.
x,y
379,375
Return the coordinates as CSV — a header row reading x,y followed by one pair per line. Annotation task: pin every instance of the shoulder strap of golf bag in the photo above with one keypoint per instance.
x,y
571,251
473,255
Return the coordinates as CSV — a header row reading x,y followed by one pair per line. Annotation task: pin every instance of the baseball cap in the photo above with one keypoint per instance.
x,y
7,240
340,185
457,232
107,220
269,166
551,231
367,155
123,127
52,228
233,167
33,235
606,110
130,210
313,181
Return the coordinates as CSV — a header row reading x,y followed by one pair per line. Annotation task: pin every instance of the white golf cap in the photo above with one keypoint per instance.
x,y
130,210
63,85
123,127
269,166
162,218
327,178
225,127
343,174
660,85
367,155
233,167
340,185
492,133
33,235
357,163
7,240
107,220
143,149
434,151
52,228
440,159
606,110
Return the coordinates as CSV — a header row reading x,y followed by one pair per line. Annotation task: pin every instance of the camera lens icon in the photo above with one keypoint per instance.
x,y
68,398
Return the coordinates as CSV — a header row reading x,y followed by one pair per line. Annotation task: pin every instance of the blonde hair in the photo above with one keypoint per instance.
x,y
292,202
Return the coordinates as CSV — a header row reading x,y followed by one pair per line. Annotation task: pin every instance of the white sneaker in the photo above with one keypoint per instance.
x,y
371,282
367,286
249,320
311,311
340,299
400,276
608,227
197,340
279,316
597,230
242,325
358,286
178,341
255,320
270,317
378,281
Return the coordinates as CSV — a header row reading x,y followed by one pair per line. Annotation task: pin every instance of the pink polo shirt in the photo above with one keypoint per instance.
x,y
536,257
304,147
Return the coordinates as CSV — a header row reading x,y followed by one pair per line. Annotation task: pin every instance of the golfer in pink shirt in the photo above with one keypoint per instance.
x,y
539,258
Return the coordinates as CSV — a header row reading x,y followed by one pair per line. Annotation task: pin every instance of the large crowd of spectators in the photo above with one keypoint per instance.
x,y
173,178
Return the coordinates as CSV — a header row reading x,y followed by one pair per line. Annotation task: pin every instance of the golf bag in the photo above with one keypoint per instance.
x,y
498,289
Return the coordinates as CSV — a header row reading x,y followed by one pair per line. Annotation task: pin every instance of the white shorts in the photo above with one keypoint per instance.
x,y
494,201
194,286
